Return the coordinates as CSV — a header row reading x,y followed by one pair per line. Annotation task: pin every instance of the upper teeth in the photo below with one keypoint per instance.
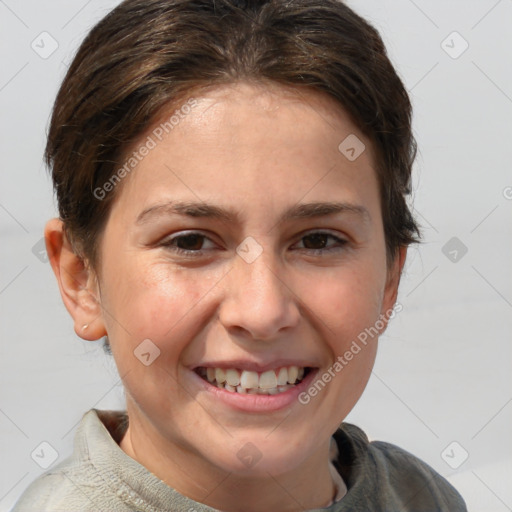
x,y
244,380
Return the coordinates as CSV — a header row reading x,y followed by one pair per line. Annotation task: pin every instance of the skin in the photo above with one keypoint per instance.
x,y
258,150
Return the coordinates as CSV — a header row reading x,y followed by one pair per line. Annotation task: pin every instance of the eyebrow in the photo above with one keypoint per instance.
x,y
205,210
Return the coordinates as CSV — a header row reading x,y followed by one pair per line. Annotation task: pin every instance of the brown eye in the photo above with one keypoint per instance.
x,y
321,242
193,242
316,241
188,244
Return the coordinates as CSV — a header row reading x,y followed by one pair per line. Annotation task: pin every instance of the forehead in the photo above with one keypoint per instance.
x,y
239,105
243,139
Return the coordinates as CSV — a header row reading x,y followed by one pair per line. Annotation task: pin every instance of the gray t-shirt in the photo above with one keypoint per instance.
x,y
100,476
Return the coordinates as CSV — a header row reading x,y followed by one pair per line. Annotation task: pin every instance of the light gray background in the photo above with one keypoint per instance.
x,y
443,372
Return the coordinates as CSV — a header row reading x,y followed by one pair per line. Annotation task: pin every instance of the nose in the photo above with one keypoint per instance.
x,y
258,303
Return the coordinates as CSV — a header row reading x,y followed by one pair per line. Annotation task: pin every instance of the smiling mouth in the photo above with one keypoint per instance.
x,y
271,382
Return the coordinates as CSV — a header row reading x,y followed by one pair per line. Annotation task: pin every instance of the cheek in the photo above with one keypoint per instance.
x,y
347,301
149,298
157,303
346,306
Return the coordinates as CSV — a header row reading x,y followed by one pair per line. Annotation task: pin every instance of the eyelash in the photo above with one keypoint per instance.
x,y
168,243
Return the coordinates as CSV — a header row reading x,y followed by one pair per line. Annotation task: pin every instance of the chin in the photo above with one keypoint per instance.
x,y
261,454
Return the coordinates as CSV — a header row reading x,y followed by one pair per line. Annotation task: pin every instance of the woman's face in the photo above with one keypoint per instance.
x,y
245,240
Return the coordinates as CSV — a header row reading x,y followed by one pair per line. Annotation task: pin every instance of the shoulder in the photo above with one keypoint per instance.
x,y
396,479
58,490
74,484
411,477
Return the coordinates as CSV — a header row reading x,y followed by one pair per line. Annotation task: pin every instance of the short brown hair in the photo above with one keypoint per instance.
x,y
148,54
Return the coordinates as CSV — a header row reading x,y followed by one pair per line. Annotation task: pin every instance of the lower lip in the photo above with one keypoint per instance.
x,y
253,402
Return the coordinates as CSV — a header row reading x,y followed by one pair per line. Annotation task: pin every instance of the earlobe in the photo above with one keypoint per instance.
x,y
77,283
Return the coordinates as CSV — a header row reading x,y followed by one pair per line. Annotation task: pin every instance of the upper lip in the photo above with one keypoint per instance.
x,y
255,366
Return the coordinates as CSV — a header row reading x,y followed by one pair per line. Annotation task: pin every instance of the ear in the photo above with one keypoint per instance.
x,y
77,283
392,282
